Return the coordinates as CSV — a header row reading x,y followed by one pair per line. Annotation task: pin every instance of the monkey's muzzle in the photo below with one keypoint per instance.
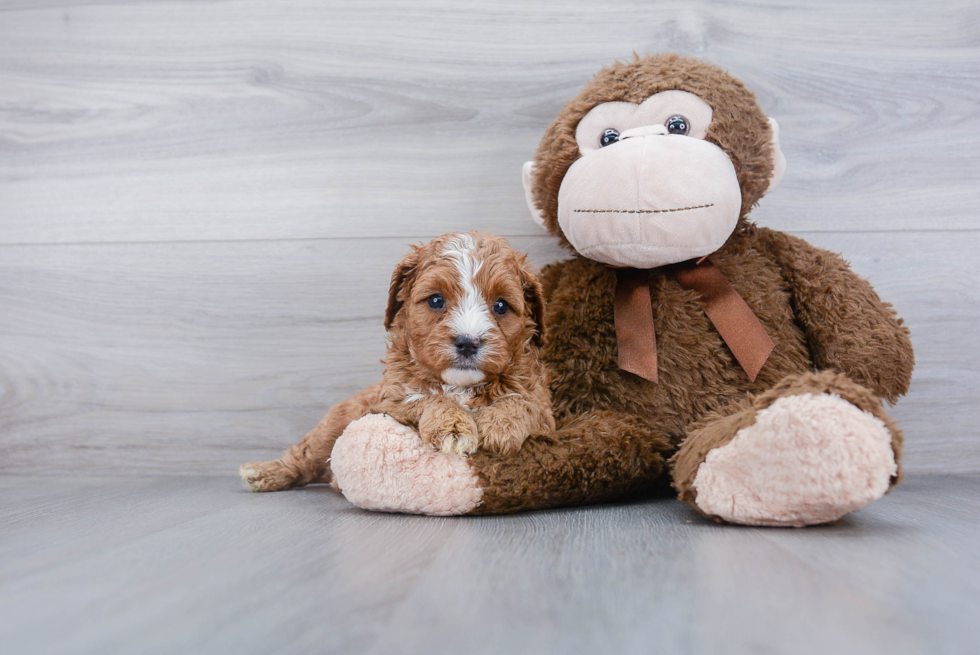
x,y
649,200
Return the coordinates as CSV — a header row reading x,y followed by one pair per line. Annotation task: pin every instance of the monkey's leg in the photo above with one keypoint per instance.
x,y
810,450
382,465
306,461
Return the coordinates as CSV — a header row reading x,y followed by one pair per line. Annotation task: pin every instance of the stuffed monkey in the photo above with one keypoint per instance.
x,y
687,346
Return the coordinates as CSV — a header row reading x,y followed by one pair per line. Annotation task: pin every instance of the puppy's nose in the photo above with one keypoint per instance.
x,y
466,345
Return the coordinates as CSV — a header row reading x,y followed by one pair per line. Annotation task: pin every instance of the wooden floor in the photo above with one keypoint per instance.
x,y
168,565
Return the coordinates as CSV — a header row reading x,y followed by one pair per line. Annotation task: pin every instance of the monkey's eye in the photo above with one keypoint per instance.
x,y
436,301
677,124
608,138
500,306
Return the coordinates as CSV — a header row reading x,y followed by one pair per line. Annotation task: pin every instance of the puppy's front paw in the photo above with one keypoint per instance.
x,y
498,432
267,476
460,443
452,432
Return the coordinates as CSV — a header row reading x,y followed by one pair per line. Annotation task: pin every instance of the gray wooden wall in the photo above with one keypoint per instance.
x,y
201,202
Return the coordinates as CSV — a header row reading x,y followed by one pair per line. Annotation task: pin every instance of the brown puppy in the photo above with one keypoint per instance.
x,y
464,323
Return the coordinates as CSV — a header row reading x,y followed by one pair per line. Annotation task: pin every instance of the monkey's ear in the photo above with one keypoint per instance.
x,y
778,159
528,175
403,274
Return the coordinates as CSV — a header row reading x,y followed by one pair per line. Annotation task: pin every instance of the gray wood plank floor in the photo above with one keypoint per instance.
x,y
169,565
201,202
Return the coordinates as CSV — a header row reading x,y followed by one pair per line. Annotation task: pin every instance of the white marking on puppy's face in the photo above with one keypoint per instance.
x,y
470,316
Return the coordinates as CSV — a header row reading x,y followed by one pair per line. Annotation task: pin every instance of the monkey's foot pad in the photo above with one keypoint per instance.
x,y
382,465
807,459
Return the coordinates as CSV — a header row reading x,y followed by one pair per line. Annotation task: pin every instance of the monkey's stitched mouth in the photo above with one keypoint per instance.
x,y
639,211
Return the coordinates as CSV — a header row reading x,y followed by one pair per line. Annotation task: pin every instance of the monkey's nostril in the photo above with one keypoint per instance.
x,y
466,345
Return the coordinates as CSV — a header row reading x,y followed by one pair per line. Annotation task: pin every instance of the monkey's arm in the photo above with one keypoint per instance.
x,y
848,327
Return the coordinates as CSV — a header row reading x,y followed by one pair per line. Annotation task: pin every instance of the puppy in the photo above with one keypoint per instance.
x,y
464,322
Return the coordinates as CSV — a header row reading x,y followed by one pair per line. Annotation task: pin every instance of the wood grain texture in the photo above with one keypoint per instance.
x,y
234,120
194,357
202,566
200,203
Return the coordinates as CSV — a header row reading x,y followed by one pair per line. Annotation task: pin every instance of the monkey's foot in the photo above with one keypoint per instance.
x,y
807,459
381,465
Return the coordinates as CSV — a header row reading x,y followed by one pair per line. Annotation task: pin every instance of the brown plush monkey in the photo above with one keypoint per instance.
x,y
687,345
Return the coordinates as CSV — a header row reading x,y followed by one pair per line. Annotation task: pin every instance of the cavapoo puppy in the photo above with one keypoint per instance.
x,y
464,323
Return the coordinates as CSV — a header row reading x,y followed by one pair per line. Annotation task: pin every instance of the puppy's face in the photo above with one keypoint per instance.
x,y
467,304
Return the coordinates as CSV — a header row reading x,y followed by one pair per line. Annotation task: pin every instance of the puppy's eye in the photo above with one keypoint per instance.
x,y
436,301
500,306
677,124
608,138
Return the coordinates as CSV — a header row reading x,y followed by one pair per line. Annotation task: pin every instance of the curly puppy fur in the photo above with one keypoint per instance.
x,y
465,322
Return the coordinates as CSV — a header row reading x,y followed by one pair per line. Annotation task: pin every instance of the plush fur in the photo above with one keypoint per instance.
x,y
489,391
435,485
753,478
704,427
637,426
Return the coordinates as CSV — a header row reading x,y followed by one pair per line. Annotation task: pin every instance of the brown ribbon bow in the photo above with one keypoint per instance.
x,y
734,320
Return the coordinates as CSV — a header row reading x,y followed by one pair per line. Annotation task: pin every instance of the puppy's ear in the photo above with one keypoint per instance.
x,y
399,279
534,299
